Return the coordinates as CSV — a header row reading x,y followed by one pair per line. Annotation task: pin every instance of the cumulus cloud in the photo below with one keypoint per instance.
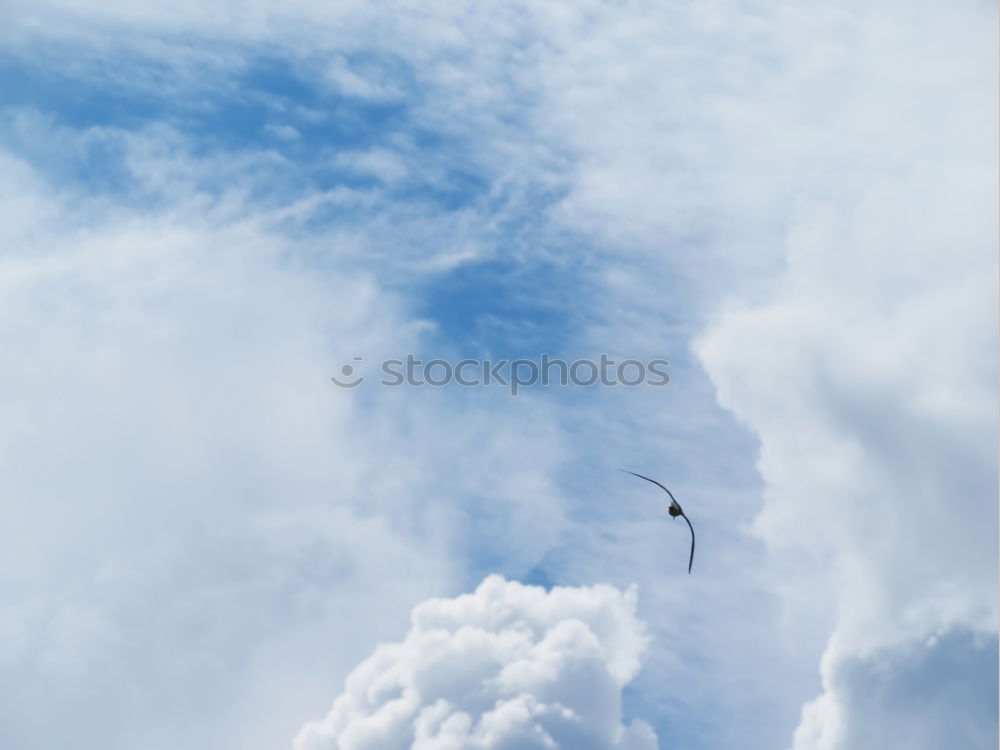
x,y
873,465
908,696
188,501
506,666
880,472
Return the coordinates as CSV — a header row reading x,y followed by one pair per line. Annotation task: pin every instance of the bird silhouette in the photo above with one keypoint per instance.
x,y
674,510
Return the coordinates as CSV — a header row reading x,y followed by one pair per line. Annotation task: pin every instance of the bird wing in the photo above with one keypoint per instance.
x,y
690,559
672,498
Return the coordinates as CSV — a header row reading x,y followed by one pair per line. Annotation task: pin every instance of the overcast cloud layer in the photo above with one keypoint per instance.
x,y
207,209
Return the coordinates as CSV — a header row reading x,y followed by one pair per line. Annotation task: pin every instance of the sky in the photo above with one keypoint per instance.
x,y
208,210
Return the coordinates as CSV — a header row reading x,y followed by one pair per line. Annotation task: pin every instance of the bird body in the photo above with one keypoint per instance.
x,y
674,509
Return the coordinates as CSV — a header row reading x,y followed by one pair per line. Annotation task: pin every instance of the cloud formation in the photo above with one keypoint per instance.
x,y
189,504
868,374
508,666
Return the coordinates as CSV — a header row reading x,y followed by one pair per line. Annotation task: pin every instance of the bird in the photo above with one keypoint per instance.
x,y
674,510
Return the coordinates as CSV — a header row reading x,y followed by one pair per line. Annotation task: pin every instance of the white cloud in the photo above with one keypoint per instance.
x,y
827,181
190,506
381,163
282,131
507,666
872,461
366,82
868,374
924,695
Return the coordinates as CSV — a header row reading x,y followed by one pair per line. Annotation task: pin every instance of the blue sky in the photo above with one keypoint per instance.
x,y
208,210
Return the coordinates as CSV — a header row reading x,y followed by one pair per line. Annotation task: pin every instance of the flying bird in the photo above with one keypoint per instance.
x,y
674,510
